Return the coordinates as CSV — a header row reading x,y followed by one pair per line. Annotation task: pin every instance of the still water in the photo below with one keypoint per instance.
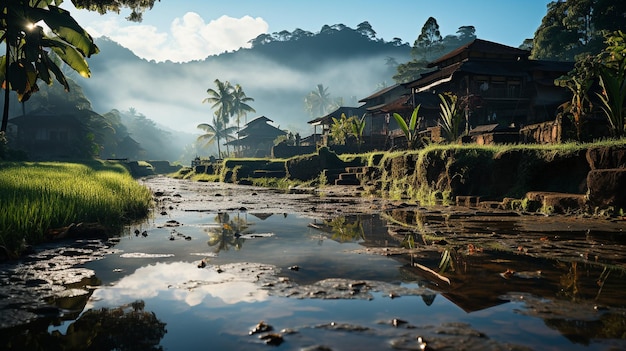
x,y
407,279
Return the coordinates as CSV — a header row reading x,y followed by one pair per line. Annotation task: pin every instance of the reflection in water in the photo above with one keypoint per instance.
x,y
184,282
127,327
496,276
346,231
227,233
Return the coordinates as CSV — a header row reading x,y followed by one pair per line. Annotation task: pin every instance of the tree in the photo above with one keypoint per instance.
x,y
466,34
428,43
365,28
340,129
215,133
318,101
527,45
240,107
29,51
103,6
410,130
221,99
409,71
575,27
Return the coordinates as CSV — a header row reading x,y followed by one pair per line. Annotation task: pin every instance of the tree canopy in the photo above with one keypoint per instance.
x,y
137,7
429,42
575,27
428,46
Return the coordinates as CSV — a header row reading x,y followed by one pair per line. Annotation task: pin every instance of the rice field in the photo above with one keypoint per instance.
x,y
36,197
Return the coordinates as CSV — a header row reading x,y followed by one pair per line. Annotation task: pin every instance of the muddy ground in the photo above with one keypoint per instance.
x,y
50,274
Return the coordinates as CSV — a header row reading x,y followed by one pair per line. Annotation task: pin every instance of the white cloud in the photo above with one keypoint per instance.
x,y
190,37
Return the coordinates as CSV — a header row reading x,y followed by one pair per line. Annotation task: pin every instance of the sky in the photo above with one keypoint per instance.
x,y
186,30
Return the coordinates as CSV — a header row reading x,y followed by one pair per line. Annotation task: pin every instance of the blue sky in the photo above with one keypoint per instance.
x,y
184,30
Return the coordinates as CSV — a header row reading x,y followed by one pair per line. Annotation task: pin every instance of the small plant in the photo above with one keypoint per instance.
x,y
358,126
322,179
451,117
411,130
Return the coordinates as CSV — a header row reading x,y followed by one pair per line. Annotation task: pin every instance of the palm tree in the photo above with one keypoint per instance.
x,y
221,99
215,133
318,100
240,107
29,52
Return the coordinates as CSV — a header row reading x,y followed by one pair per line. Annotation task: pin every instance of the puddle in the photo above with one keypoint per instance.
x,y
402,278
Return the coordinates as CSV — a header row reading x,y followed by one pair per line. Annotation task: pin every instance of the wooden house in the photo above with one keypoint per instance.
x,y
46,135
495,84
256,138
324,122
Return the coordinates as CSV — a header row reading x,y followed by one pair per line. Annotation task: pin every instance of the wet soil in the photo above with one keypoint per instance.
x,y
511,249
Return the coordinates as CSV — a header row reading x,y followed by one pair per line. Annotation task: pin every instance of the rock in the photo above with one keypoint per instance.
x,y
560,203
607,187
607,157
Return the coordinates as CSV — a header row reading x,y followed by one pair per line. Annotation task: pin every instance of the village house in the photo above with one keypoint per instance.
x,y
500,90
45,135
256,138
324,122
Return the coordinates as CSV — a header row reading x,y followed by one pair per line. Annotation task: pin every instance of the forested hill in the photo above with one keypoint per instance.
x,y
332,43
278,71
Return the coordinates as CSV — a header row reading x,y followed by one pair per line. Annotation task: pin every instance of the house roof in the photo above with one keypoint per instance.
x,y
402,103
491,128
479,45
257,120
348,111
44,118
495,68
381,92
258,130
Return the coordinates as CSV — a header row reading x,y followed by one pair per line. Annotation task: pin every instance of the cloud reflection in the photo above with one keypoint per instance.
x,y
184,282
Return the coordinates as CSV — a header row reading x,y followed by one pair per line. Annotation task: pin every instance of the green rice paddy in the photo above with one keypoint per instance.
x,y
36,197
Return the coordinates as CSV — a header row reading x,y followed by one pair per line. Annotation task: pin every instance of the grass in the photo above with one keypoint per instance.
x,y
36,197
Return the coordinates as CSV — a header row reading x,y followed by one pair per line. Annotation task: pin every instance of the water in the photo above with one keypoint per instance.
x,y
199,280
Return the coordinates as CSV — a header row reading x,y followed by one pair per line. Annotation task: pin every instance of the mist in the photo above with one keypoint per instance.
x,y
171,94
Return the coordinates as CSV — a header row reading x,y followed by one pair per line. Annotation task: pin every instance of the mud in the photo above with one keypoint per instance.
x,y
50,285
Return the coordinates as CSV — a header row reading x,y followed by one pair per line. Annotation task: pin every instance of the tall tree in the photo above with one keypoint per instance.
x,y
428,43
240,107
215,132
221,99
318,101
466,34
575,27
365,28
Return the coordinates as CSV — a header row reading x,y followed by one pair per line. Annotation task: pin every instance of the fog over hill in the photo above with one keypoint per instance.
x,y
277,74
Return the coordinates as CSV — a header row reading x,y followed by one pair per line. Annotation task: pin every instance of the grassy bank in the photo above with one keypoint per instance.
x,y
438,173
36,197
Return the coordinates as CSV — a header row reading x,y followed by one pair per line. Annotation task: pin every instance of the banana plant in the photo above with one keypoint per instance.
x,y
358,126
30,51
411,130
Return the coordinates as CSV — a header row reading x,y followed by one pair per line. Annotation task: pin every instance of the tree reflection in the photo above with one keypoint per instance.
x,y
126,328
344,231
228,232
